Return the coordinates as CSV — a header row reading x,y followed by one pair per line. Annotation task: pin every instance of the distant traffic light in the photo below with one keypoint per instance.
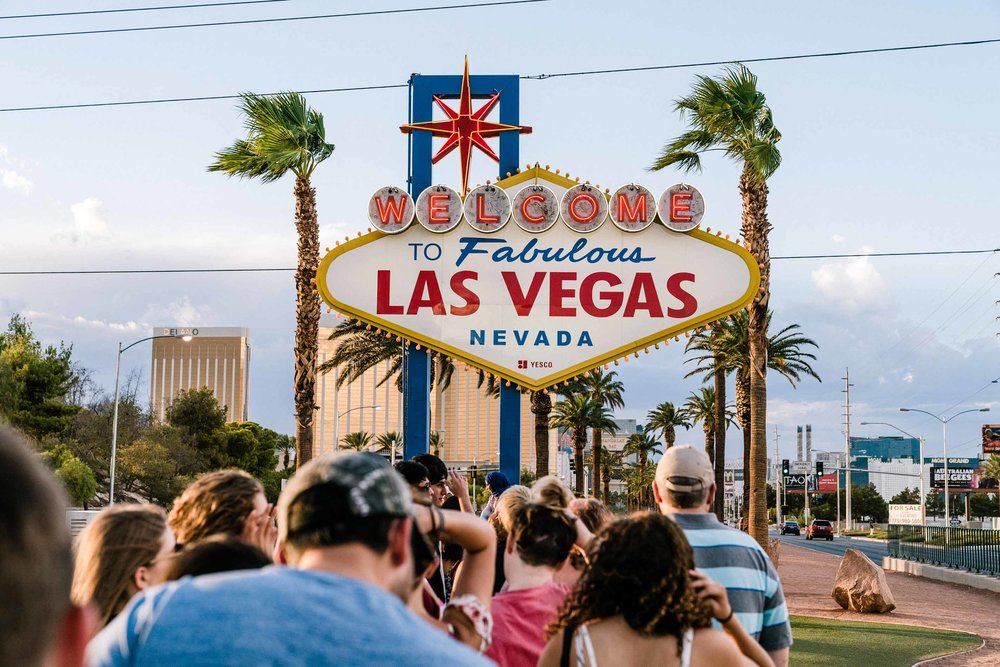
x,y
785,467
819,468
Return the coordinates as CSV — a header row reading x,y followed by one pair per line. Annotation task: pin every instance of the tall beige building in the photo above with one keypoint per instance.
x,y
465,418
214,357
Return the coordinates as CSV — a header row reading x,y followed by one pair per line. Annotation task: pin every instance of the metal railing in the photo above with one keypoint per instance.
x,y
963,548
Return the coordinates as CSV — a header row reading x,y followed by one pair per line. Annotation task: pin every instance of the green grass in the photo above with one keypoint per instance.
x,y
822,642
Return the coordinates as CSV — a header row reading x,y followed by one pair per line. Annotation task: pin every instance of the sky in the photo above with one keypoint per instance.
x,y
890,152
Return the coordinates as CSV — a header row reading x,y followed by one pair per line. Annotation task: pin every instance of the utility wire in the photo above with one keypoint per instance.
x,y
265,269
830,54
142,9
283,19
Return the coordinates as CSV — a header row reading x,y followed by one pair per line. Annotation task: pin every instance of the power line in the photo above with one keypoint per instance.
x,y
282,19
620,70
282,269
142,9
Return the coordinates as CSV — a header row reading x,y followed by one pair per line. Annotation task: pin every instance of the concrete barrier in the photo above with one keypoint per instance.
x,y
938,573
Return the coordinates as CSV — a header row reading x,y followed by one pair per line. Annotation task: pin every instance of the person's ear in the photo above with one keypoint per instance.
x,y
279,556
76,628
509,546
140,578
656,494
399,541
711,496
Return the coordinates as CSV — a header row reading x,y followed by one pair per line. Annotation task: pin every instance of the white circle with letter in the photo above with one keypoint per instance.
x,y
487,208
390,210
439,209
584,208
633,208
535,208
681,207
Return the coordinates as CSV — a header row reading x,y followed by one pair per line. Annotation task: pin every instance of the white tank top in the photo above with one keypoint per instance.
x,y
585,656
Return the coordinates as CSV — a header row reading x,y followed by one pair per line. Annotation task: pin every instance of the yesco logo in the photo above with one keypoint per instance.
x,y
527,278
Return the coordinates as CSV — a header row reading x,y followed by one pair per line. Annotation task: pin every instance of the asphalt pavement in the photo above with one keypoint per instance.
x,y
874,550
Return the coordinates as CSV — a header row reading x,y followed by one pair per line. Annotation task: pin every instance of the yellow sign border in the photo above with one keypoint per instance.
x,y
555,378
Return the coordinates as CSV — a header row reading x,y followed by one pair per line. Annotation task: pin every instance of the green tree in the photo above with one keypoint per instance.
x,y
982,505
606,389
79,481
359,441
285,135
577,413
387,443
786,355
35,382
907,496
541,408
197,413
665,418
145,468
990,469
730,114
866,501
644,445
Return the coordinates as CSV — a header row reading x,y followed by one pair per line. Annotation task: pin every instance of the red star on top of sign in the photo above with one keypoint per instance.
x,y
465,128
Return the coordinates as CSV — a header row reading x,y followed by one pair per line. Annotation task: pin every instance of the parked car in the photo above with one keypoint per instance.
x,y
790,528
819,528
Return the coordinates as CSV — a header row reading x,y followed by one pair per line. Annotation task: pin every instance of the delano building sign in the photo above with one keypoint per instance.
x,y
538,278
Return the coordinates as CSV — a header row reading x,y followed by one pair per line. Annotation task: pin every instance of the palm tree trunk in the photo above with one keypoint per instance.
x,y
606,477
579,442
743,416
755,230
642,480
596,461
669,435
720,438
307,311
541,407
710,444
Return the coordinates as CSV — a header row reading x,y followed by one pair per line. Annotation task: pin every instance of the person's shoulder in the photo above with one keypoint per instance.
x,y
713,647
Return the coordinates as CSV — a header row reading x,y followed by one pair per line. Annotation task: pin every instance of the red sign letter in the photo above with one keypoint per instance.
x,y
426,282
690,304
557,293
481,211
393,206
680,207
632,214
437,209
522,302
382,305
524,208
643,296
460,290
587,294
582,198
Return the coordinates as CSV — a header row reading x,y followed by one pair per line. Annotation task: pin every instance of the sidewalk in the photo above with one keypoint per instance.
x,y
808,578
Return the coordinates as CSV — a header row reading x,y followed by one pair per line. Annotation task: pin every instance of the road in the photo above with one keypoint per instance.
x,y
874,550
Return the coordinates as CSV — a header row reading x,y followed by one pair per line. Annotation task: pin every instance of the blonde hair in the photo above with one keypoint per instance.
x,y
551,491
119,541
216,503
508,503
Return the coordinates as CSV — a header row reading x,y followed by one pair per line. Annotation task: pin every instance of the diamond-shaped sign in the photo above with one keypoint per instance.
x,y
538,308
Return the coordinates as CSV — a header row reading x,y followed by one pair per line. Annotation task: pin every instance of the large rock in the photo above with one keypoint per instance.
x,y
861,585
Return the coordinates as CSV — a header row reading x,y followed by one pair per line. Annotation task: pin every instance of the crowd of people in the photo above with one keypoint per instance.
x,y
363,563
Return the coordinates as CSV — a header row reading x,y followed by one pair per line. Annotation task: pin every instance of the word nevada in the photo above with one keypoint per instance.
x,y
536,208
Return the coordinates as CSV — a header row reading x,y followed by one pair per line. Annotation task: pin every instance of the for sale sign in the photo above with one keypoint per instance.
x,y
906,515
573,283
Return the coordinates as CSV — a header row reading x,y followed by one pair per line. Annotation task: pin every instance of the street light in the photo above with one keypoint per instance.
x,y
918,439
114,420
336,425
944,426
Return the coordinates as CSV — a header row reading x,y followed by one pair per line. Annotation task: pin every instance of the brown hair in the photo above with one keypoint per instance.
x,y
594,514
216,503
506,504
551,491
35,556
639,569
119,541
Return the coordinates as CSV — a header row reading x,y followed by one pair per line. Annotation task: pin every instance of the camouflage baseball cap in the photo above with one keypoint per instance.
x,y
341,487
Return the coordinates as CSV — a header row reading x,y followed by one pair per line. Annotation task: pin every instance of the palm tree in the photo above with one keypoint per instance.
x,y
701,407
731,115
389,444
359,441
990,469
577,413
665,418
611,463
541,407
284,134
434,442
785,355
643,445
605,388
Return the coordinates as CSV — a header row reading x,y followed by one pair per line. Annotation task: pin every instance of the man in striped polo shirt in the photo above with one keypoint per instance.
x,y
684,489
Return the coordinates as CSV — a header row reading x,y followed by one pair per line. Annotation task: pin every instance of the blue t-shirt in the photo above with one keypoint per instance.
x,y
275,616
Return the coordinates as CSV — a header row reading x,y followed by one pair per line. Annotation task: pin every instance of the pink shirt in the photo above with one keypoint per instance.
x,y
519,620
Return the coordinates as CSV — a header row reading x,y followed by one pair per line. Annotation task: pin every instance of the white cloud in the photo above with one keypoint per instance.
x,y
4,154
854,285
15,181
83,322
837,238
181,313
88,219
908,378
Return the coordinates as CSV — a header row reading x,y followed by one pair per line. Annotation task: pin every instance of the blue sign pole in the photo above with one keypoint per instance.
x,y
416,364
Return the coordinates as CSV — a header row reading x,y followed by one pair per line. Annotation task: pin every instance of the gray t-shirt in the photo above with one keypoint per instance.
x,y
275,616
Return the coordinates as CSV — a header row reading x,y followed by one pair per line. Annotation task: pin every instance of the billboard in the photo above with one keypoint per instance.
x,y
991,439
827,483
540,278
796,482
958,478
